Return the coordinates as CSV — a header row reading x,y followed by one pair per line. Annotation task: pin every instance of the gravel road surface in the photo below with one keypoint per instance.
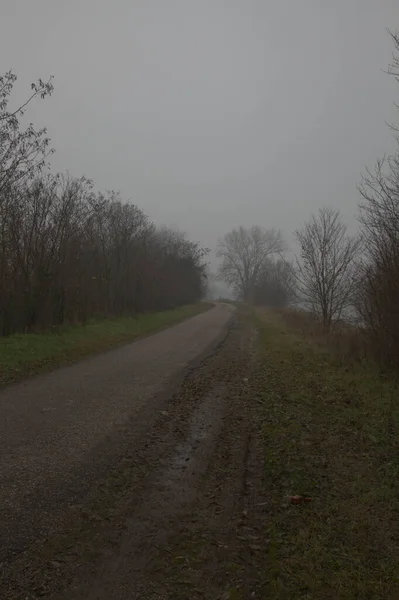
x,y
128,475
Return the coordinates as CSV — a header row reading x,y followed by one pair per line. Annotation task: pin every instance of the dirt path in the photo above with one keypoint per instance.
x,y
175,509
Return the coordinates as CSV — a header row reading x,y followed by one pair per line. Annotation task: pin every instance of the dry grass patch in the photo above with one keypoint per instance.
x,y
347,342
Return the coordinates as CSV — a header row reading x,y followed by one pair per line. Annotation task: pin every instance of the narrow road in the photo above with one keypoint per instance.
x,y
111,466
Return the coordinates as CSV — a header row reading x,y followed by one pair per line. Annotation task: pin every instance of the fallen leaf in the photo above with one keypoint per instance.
x,y
299,499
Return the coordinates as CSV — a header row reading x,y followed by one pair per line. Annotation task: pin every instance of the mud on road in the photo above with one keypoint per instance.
x,y
183,513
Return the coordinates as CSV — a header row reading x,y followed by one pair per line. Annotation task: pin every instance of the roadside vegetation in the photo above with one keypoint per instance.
x,y
331,434
344,281
70,253
22,355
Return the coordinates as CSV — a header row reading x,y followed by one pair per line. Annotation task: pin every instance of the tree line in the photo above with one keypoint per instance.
x,y
335,276
69,253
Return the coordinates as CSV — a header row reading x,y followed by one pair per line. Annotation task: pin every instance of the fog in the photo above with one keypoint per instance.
x,y
211,113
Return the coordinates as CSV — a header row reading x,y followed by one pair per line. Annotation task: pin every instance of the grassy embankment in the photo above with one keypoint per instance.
x,y
331,432
22,355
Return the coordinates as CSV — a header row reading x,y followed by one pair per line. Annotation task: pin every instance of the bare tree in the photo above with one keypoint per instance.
x,y
243,253
23,152
68,254
393,68
325,267
378,298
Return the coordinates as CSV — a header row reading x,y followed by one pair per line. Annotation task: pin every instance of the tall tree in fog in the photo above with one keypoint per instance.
x,y
325,265
243,253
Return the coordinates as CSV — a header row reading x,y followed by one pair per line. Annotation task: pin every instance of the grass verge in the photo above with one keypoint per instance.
x,y
331,433
22,355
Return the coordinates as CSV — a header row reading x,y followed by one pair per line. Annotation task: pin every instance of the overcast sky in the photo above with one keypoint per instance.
x,y
209,114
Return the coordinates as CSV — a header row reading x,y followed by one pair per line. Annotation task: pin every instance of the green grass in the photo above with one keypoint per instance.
x,y
22,355
330,432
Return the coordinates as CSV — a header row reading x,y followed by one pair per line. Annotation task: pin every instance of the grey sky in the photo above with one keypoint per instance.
x,y
211,113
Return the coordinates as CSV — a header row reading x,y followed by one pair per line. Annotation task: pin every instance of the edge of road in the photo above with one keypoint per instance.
x,y
51,366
